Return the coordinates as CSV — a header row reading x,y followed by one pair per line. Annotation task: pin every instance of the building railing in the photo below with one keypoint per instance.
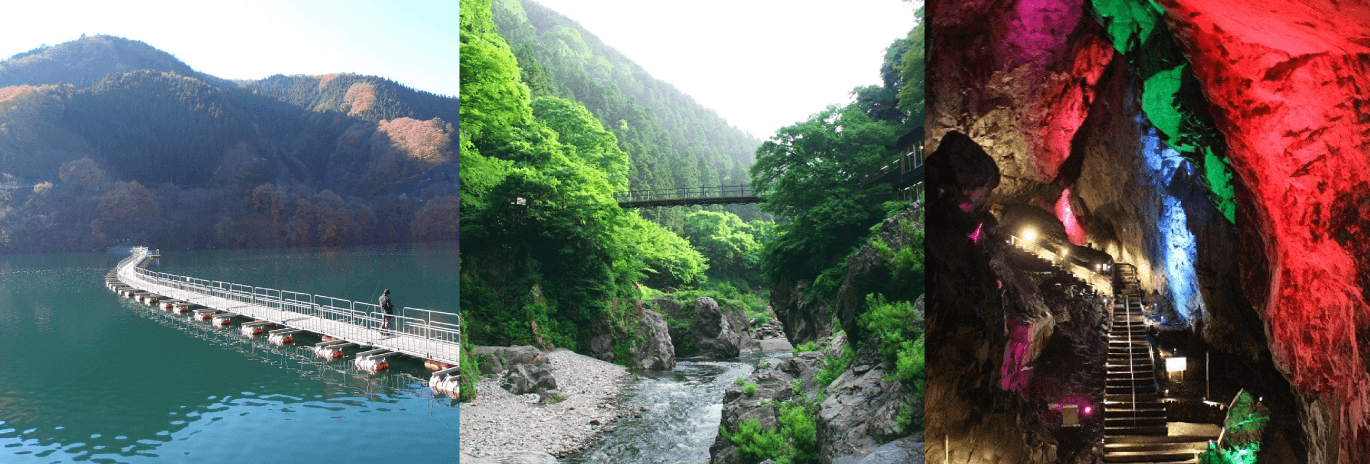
x,y
428,328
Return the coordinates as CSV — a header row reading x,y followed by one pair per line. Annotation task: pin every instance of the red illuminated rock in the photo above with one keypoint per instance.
x,y
1290,87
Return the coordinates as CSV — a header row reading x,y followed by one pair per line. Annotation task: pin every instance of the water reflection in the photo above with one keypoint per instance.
x,y
86,375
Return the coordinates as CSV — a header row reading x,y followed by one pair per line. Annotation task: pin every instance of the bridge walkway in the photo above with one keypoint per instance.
x,y
425,334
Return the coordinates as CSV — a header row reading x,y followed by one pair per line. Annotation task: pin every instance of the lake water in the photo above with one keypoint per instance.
x,y
88,376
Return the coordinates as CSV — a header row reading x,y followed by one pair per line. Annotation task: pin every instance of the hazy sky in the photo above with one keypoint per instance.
x,y
411,42
761,64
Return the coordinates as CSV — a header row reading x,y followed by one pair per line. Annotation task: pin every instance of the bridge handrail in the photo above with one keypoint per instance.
x,y
426,324
686,193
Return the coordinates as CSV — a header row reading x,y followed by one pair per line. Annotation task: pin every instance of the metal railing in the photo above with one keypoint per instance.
x,y
685,194
420,332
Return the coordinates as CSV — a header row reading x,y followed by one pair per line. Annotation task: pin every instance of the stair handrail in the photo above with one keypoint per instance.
x,y
1131,371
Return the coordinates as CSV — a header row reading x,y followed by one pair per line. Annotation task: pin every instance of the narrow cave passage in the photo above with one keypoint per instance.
x,y
1071,324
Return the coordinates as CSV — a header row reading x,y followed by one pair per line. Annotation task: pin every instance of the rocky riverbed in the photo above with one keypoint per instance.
x,y
501,426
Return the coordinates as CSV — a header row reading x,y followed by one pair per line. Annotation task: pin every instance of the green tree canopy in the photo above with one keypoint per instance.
x,y
811,173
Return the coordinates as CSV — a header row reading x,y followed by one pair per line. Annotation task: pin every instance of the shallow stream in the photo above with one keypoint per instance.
x,y
679,413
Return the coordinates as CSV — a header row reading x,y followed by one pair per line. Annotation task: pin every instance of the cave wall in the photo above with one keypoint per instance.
x,y
1038,84
1290,89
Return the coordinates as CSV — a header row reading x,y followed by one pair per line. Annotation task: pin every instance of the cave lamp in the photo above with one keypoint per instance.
x,y
1175,367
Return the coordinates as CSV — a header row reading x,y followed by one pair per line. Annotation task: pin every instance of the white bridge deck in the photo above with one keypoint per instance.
x,y
421,333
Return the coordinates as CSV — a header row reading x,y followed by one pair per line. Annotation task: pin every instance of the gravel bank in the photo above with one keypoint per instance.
x,y
498,422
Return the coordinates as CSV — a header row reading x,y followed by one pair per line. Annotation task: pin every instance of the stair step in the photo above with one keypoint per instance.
x,y
1123,369
1168,445
1128,398
1142,430
1134,421
1129,343
1128,414
1152,457
1157,439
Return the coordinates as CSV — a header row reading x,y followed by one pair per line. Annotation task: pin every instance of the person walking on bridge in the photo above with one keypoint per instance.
x,y
389,309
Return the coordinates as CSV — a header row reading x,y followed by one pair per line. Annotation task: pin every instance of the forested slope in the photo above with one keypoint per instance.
x,y
672,141
105,140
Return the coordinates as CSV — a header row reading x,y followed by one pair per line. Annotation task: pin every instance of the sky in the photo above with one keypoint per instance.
x,y
414,43
761,64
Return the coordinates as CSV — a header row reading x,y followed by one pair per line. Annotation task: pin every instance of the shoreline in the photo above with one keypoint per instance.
x,y
499,423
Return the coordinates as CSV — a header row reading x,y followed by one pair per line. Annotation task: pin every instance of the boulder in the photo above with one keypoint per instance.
x,y
804,319
654,349
526,378
647,347
510,355
708,330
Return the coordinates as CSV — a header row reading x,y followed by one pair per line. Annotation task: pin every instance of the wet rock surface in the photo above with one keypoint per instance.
x,y
706,329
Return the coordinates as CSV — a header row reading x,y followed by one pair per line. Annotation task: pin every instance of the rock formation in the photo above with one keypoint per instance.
x,y
707,329
856,419
647,346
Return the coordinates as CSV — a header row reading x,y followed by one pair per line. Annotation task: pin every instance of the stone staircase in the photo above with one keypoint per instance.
x,y
1125,280
1135,427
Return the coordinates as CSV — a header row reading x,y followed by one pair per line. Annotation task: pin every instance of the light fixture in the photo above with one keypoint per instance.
x,y
1029,235
1175,367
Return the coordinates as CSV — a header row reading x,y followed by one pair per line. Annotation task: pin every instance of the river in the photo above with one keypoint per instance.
x,y
680,408
88,376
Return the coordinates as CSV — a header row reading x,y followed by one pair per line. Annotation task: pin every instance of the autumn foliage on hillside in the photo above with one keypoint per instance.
x,y
360,97
96,151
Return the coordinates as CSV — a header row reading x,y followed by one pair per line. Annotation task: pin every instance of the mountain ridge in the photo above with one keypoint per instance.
x,y
121,111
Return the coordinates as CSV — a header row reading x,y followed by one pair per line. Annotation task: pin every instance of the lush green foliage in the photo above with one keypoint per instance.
x,y
899,328
733,247
794,441
812,172
834,364
470,371
798,424
749,389
910,69
755,443
554,252
803,347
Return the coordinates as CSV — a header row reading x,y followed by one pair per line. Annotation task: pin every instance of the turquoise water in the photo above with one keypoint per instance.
x,y
87,376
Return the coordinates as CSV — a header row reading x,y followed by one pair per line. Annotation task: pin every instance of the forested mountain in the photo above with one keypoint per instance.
x,y
671,140
88,60
105,140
